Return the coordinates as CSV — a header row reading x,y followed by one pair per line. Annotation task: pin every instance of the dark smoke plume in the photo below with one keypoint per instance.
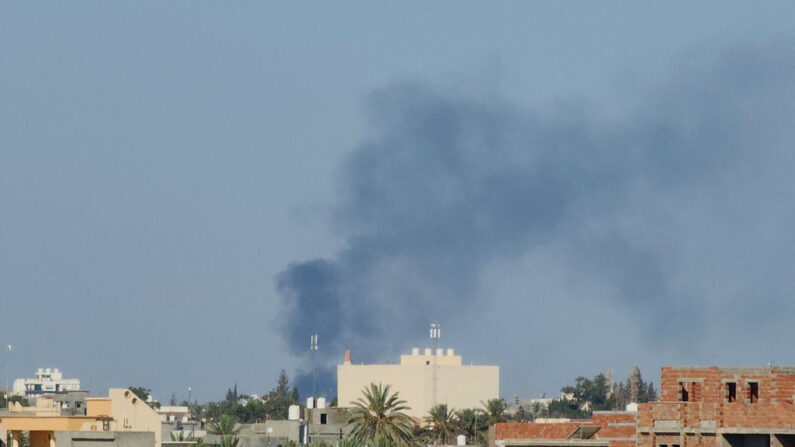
x,y
449,183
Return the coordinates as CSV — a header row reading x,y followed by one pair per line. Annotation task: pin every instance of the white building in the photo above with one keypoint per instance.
x,y
173,413
423,380
47,381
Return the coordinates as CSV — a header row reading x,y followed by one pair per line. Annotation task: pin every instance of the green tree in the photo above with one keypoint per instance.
x,y
231,394
494,410
521,415
278,400
650,395
24,439
141,392
187,436
422,435
378,441
379,413
282,385
470,423
591,395
633,390
227,428
443,422
565,408
20,399
536,408
295,398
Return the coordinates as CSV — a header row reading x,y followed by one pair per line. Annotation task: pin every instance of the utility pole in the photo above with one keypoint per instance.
x,y
436,333
8,396
311,411
313,349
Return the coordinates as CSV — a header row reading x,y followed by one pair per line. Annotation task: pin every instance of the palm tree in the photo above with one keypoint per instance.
x,y
187,436
443,421
379,413
181,436
346,442
226,427
469,422
378,441
494,411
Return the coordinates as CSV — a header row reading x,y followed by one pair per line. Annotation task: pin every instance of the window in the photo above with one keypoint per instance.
x,y
427,362
323,418
753,392
731,390
683,392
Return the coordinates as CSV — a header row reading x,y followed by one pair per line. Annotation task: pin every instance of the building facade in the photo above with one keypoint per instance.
x,y
109,421
721,407
46,381
422,380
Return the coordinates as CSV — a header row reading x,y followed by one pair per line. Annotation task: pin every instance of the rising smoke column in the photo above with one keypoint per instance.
x,y
449,182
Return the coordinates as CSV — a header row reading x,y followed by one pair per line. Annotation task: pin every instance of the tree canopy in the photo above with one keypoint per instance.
x,y
378,416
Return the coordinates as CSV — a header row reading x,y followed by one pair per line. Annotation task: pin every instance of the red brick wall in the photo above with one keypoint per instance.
x,y
613,425
530,430
685,440
708,398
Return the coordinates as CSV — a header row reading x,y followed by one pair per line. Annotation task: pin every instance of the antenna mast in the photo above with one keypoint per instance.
x,y
436,333
312,350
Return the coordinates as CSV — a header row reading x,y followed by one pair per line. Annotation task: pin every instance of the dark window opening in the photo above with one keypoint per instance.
x,y
753,392
323,418
427,362
732,388
683,392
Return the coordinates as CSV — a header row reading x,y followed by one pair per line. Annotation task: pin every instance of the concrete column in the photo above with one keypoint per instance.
x,y
15,439
51,437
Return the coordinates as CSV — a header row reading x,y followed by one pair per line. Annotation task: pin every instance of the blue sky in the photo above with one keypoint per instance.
x,y
163,166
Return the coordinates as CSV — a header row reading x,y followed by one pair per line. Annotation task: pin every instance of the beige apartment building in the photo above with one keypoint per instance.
x,y
423,380
119,420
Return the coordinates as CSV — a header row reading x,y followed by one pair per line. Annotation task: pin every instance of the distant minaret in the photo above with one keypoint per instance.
x,y
348,360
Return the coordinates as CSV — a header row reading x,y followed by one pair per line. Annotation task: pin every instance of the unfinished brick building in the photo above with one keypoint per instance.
x,y
604,429
721,407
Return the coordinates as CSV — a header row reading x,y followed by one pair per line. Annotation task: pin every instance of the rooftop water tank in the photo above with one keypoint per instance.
x,y
321,402
310,402
294,413
461,440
